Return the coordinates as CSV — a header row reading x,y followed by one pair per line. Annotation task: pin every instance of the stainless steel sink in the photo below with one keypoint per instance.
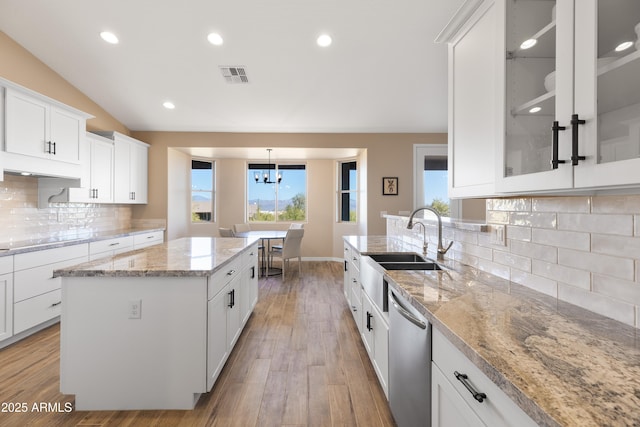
x,y
399,257
425,265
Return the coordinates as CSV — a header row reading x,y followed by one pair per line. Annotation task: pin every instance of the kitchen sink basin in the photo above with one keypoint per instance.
x,y
397,258
420,265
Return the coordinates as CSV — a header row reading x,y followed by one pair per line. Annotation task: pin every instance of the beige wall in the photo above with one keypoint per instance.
x,y
20,66
386,155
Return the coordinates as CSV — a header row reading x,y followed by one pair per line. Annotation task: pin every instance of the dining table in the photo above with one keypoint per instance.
x,y
266,237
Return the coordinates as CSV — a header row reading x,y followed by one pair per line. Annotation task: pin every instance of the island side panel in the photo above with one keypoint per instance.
x,y
113,362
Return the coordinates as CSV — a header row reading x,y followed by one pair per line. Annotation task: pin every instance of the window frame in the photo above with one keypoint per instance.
x,y
340,193
276,168
213,190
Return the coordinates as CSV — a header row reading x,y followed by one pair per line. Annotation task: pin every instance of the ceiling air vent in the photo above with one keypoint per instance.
x,y
236,74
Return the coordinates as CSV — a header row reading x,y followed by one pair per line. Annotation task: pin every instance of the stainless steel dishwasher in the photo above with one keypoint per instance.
x,y
409,364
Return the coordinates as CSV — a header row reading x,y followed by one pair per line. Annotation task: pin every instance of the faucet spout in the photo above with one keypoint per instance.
x,y
441,249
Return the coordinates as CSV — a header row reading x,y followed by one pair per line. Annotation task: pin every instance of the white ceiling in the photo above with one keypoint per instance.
x,y
383,72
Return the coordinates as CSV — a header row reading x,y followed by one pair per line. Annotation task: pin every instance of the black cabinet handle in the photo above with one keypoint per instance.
x,y
55,304
575,121
232,301
345,265
369,316
54,148
253,272
554,145
463,378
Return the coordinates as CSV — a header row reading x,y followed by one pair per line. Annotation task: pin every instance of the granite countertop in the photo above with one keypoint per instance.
x,y
563,365
68,239
186,257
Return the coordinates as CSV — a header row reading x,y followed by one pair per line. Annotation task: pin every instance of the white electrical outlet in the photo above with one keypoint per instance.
x,y
499,235
135,309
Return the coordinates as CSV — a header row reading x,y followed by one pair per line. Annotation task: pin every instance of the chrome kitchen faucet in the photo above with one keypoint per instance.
x,y
441,248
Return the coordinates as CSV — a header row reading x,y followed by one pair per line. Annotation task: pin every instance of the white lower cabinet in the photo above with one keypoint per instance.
x,y
110,247
249,291
375,334
217,349
36,293
463,395
6,297
148,239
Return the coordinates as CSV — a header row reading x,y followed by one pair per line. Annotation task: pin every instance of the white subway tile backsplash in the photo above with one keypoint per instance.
x,y
512,260
540,284
596,263
625,247
561,239
616,204
601,304
561,204
623,290
584,250
534,250
538,220
597,223
572,276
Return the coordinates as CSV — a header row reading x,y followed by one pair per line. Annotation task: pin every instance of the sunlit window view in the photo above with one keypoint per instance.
x,y
273,201
202,191
435,178
348,194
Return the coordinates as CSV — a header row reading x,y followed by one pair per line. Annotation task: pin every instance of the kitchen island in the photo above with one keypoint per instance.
x,y
152,328
561,364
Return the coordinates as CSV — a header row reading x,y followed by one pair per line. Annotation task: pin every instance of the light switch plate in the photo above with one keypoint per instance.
x,y
135,309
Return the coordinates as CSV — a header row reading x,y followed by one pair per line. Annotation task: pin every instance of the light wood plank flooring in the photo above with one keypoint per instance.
x,y
299,362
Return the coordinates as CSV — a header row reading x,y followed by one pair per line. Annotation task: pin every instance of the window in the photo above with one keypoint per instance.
x,y
431,180
202,193
272,202
348,193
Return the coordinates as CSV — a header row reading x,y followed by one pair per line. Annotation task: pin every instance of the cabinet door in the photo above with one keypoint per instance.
x,y
67,132
138,174
27,125
367,325
6,306
447,406
234,319
121,172
101,171
381,340
217,349
474,109
538,92
607,95
249,291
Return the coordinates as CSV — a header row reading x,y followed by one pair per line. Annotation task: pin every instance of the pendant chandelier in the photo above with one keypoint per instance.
x,y
266,177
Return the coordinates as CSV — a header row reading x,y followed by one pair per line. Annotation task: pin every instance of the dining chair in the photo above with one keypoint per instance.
x,y
290,249
226,232
241,228
296,225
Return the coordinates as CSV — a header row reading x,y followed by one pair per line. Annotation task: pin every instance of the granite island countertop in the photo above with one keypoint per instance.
x,y
185,257
75,237
563,365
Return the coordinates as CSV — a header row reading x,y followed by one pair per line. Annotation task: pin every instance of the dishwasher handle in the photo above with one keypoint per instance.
x,y
410,317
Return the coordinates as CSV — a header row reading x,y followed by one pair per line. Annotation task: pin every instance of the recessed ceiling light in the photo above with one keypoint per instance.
x,y
168,105
535,109
527,44
25,173
215,39
109,37
324,40
623,46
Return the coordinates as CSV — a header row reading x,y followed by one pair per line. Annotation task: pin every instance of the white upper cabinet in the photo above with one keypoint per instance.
x,y
572,93
474,97
563,113
41,135
101,169
130,168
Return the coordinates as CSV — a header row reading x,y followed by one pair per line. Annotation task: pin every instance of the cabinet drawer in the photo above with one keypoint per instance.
x,y
49,256
39,280
6,264
147,239
33,311
497,409
250,256
224,275
118,244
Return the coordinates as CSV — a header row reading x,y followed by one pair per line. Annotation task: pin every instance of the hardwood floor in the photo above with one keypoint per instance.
x,y
299,362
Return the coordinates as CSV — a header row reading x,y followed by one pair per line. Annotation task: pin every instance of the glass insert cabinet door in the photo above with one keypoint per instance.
x,y
572,94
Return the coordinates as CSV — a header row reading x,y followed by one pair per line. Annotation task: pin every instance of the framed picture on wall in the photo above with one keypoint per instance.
x,y
390,186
